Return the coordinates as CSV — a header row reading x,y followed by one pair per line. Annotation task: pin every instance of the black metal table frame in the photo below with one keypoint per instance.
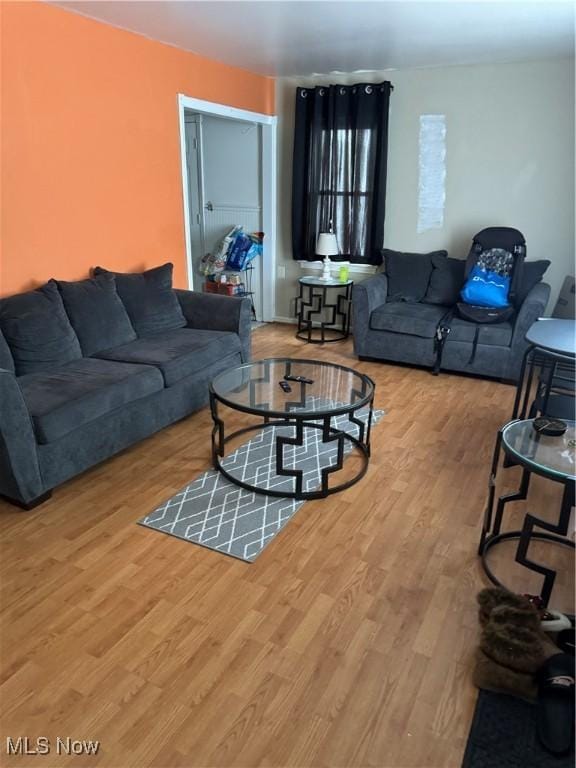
x,y
553,367
305,310
300,421
492,524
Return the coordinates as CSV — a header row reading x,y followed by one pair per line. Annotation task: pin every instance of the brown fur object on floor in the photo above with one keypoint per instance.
x,y
513,645
510,642
495,677
496,597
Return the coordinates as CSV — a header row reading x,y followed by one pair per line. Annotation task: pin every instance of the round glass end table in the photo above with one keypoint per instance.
x,y
319,320
551,457
325,410
546,385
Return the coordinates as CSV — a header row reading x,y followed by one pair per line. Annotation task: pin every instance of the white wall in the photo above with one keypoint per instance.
x,y
510,160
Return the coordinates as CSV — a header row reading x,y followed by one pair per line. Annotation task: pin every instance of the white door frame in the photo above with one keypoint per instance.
x,y
268,123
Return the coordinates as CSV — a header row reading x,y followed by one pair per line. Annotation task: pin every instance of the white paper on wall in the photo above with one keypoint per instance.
x,y
432,172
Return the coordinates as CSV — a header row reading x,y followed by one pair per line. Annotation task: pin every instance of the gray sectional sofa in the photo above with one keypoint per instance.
x,y
89,368
402,329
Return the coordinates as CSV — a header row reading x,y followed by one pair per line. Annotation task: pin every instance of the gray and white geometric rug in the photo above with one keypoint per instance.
x,y
215,513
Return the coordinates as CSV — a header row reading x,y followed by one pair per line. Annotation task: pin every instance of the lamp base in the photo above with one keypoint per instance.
x,y
326,275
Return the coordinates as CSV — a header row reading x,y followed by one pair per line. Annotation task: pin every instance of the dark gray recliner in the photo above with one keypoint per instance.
x,y
64,418
404,332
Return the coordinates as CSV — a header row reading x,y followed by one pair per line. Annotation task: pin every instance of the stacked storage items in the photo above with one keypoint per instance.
x,y
227,269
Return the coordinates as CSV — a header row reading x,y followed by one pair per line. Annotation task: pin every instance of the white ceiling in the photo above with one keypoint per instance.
x,y
279,38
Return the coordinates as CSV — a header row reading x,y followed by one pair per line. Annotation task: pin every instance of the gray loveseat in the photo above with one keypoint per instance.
x,y
404,332
86,371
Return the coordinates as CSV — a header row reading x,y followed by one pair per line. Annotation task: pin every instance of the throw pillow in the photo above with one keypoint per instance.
x,y
96,313
446,280
532,273
408,274
37,330
151,303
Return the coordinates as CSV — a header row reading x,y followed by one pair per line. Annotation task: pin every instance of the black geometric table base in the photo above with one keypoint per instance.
x,y
329,434
299,421
545,379
315,304
492,525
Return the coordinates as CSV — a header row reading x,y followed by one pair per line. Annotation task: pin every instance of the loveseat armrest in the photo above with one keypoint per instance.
x,y
533,307
366,297
20,477
211,312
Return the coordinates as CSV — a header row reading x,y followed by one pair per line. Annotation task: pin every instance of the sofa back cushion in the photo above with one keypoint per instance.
x,y
151,303
37,330
408,274
446,280
6,359
96,313
149,299
532,274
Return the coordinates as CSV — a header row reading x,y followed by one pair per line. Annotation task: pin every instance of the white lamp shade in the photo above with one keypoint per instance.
x,y
327,244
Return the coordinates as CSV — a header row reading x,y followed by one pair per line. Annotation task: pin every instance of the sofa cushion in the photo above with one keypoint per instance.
x,y
407,318
96,313
180,353
6,359
491,334
408,274
446,280
64,398
37,330
532,273
149,299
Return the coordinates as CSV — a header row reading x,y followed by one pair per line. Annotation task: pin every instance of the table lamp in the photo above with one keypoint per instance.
x,y
326,246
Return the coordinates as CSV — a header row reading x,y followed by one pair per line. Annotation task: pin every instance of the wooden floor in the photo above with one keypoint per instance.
x,y
348,642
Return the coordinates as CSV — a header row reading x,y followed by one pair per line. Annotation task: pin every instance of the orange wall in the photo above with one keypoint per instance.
x,y
90,163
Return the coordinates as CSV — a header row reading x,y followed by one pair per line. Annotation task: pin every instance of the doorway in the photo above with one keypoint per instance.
x,y
228,175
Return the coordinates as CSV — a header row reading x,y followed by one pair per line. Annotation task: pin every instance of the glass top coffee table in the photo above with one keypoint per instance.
x,y
309,407
552,457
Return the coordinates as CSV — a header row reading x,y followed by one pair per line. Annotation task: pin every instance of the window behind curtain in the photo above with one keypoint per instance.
x,y
345,199
339,179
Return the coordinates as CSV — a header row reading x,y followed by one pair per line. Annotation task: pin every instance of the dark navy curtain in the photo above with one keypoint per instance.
x,y
339,169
